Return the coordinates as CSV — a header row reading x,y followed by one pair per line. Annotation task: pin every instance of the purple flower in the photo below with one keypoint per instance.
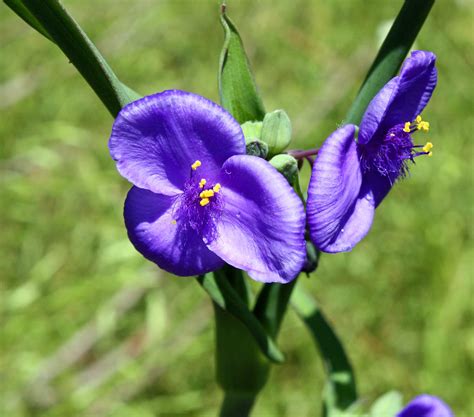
x,y
198,201
426,406
350,179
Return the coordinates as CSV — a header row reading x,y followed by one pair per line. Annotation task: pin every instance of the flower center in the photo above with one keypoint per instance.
x,y
390,155
204,195
199,205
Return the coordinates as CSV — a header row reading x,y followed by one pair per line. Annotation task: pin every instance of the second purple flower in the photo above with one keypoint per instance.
x,y
351,178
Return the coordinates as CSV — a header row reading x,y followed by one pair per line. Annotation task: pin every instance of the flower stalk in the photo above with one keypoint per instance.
x,y
241,369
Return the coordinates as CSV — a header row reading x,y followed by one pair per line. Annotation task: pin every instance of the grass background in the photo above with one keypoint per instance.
x,y
89,328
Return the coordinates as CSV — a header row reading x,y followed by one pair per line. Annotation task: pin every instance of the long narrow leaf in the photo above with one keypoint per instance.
x,y
51,19
237,88
340,391
19,8
222,293
395,48
271,305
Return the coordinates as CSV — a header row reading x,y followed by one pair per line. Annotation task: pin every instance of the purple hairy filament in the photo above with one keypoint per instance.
x,y
199,206
389,155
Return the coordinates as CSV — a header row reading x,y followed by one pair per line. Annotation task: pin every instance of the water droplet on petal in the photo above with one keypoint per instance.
x,y
238,215
342,230
205,240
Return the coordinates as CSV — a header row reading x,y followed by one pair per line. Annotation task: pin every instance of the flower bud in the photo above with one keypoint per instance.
x,y
287,166
276,131
252,131
312,258
257,148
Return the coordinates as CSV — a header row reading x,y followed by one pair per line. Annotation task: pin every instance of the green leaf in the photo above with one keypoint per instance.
x,y
395,48
388,404
271,305
51,19
340,391
19,8
223,294
237,88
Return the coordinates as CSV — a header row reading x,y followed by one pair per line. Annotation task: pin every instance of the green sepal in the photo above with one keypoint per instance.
x,y
276,131
237,89
392,53
224,296
51,19
340,390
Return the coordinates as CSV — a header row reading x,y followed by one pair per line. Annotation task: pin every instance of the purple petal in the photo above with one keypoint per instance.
x,y
426,406
261,228
376,186
156,139
340,209
376,111
151,229
402,98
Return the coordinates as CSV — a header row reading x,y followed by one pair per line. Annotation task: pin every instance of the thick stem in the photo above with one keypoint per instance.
x,y
241,369
237,404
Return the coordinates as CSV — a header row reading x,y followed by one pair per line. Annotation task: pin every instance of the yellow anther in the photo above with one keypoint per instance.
x,y
196,165
407,127
202,183
207,194
428,146
425,126
430,154
217,188
173,221
418,119
204,202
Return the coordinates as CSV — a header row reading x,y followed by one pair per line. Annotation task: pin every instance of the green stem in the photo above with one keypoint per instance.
x,y
395,48
241,368
237,404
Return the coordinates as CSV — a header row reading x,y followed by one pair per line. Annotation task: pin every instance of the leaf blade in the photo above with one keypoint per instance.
x,y
52,20
392,53
237,89
222,293
340,392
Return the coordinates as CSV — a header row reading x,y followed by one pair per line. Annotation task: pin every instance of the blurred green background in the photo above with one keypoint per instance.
x,y
89,328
